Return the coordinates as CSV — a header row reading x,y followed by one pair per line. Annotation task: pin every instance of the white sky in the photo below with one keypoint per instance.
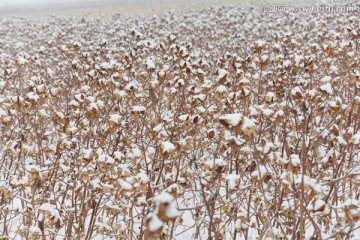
x,y
38,8
109,7
49,2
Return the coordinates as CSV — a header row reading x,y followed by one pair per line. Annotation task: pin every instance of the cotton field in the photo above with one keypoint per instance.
x,y
220,123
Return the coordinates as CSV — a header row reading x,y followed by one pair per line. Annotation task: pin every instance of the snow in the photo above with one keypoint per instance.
x,y
132,86
180,82
201,72
33,168
325,79
212,164
356,138
139,109
327,88
191,87
267,112
22,61
144,178
95,183
201,97
270,96
124,170
92,106
164,197
268,147
155,223
298,60
32,96
150,63
286,63
80,97
124,185
172,37
167,147
51,209
200,109
260,43
246,149
121,93
34,230
106,159
341,140
352,202
232,119
279,113
264,58
244,81
318,204
135,152
295,160
172,211
115,118
106,187
158,128
74,103
233,180
222,73
247,123
261,173
87,153
2,113
253,111
296,90
64,168
221,89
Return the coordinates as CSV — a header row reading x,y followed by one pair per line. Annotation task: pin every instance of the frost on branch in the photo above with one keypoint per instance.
x,y
239,122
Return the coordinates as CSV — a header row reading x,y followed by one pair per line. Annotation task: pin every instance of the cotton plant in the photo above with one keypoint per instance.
x,y
211,124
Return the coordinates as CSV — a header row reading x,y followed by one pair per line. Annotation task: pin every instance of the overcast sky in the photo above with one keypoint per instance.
x,y
109,7
42,2
71,7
